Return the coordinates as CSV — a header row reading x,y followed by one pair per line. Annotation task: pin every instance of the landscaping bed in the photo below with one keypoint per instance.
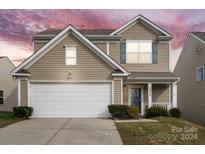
x,y
7,118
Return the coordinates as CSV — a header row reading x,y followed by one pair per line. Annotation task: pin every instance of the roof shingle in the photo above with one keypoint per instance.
x,y
200,35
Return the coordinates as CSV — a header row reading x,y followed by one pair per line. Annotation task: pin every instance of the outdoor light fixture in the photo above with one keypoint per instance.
x,y
125,87
69,75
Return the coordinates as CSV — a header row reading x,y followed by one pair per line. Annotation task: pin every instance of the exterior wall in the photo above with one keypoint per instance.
x,y
162,62
23,93
191,92
160,93
38,44
8,85
102,45
51,66
117,91
138,31
115,51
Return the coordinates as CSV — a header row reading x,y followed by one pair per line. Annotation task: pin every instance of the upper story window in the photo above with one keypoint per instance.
x,y
200,73
139,51
1,97
70,56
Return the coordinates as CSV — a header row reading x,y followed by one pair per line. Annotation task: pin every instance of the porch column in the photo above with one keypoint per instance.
x,y
149,95
174,94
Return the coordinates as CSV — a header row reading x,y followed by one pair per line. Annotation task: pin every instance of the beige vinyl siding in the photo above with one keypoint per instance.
x,y
38,44
102,46
190,93
138,31
51,66
115,51
8,85
117,91
24,93
160,93
162,62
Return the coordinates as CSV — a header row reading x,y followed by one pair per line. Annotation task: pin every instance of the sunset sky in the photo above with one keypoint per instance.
x,y
17,26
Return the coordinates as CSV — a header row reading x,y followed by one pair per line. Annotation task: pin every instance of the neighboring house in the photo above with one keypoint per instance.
x,y
79,72
8,87
190,69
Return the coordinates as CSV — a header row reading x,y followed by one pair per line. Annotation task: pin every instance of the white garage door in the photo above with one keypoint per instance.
x,y
70,99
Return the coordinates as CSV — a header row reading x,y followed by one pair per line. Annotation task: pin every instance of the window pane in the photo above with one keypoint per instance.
x,y
70,61
145,47
132,46
70,53
1,93
200,74
1,101
145,57
132,58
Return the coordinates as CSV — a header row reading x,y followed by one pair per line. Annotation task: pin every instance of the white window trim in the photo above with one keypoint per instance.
x,y
138,52
2,97
202,66
108,48
67,57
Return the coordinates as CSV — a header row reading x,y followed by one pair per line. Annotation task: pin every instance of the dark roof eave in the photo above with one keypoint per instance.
x,y
90,37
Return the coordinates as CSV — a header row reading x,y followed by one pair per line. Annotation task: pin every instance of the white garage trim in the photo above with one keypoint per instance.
x,y
73,81
72,99
28,93
19,92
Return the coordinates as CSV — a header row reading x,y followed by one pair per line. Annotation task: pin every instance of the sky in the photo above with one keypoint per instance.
x,y
18,26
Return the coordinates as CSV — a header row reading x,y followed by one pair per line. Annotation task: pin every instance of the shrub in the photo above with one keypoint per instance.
x,y
123,111
23,111
156,111
118,111
133,112
175,112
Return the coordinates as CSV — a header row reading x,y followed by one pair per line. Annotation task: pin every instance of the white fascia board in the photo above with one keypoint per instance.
x,y
19,74
118,74
28,62
135,19
197,38
40,50
154,78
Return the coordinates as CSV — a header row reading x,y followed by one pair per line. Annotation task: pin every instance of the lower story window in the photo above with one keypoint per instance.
x,y
1,97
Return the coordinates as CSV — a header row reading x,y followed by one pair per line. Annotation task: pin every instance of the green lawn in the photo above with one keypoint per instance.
x,y
166,131
7,118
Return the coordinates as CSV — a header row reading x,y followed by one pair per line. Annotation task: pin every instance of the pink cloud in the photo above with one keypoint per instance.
x,y
18,26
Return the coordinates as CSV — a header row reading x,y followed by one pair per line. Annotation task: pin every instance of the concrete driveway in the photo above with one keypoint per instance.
x,y
61,131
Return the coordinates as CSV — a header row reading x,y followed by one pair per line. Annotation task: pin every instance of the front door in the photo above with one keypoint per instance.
x,y
136,98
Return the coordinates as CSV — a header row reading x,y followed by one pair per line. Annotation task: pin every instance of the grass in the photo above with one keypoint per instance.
x,y
7,118
167,131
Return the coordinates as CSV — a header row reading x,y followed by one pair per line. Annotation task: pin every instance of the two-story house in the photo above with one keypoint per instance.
x,y
190,69
79,72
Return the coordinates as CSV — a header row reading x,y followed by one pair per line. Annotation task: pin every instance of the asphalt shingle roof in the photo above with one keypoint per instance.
x,y
83,31
200,35
151,74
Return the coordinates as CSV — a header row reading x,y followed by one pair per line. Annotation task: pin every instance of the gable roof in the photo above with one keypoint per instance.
x,y
199,35
68,30
82,31
145,20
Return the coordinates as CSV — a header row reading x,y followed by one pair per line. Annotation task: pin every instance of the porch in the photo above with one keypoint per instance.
x,y
153,91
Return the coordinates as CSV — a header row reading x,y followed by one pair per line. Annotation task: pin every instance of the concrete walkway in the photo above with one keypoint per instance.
x,y
61,131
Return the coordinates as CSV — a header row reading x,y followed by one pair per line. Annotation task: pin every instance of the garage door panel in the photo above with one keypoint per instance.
x,y
70,100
